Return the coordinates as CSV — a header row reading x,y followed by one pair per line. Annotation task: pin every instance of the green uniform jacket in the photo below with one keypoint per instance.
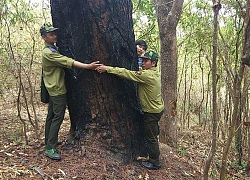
x,y
53,73
149,88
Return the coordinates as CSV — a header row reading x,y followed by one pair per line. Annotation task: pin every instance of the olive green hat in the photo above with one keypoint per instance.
x,y
153,56
47,27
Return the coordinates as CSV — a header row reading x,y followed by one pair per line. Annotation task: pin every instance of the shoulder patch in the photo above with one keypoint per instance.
x,y
138,72
53,49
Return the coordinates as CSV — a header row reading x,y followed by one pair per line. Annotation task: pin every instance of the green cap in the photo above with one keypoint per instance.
x,y
153,56
47,27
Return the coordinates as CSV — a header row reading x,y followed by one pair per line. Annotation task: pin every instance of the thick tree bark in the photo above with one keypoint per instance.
x,y
167,28
103,105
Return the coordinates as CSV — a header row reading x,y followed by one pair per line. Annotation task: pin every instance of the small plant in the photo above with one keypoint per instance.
x,y
240,167
213,173
181,151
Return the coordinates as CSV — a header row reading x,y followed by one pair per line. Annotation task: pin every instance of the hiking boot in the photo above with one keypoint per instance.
x,y
52,154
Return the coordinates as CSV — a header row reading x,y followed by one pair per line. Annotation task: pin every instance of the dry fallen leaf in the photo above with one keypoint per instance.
x,y
63,173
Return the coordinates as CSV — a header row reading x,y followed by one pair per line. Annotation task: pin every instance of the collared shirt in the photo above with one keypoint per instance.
x,y
149,86
53,73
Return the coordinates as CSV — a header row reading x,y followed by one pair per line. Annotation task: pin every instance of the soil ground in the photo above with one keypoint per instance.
x,y
91,161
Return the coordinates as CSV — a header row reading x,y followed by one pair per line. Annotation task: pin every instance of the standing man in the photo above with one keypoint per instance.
x,y
149,90
141,47
54,79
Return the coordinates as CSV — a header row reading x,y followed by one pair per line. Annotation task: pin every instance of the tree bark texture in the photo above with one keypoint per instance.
x,y
101,104
167,22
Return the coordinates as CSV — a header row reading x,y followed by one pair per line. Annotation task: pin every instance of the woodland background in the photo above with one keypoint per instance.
x,y
22,114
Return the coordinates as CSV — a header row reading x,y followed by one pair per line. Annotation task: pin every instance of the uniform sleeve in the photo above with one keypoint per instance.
x,y
57,59
138,76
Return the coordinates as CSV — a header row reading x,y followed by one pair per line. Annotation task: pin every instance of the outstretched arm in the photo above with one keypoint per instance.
x,y
92,65
138,76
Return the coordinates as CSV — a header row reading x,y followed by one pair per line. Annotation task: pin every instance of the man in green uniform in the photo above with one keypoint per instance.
x,y
149,90
54,79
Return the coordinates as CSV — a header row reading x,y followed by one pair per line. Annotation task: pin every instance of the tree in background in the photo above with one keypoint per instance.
x,y
18,60
168,14
237,91
216,9
145,23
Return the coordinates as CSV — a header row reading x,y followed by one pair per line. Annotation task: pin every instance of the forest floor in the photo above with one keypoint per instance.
x,y
91,161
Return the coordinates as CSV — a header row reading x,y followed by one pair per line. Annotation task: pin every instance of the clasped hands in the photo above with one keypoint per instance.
x,y
98,67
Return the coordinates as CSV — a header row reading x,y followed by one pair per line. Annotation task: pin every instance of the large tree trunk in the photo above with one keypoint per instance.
x,y
102,105
167,28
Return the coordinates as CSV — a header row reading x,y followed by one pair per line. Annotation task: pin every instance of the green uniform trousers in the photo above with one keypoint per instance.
x,y
151,130
56,112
